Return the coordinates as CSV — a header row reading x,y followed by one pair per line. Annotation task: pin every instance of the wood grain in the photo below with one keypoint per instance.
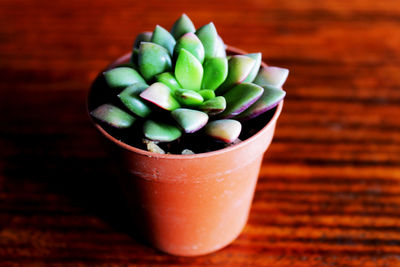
x,y
329,187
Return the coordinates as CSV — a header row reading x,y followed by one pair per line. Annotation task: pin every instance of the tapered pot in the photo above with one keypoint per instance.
x,y
191,205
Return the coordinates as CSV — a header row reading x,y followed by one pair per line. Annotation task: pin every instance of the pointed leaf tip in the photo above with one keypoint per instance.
x,y
160,95
190,42
181,26
122,77
190,120
162,37
273,76
239,68
240,98
210,39
269,99
254,70
227,130
221,48
113,116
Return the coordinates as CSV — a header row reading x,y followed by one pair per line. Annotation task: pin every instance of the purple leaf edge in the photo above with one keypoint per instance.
x,y
261,111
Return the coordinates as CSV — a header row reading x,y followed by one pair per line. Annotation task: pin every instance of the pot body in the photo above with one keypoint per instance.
x,y
191,205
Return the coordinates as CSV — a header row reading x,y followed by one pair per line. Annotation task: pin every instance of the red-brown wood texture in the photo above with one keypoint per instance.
x,y
329,187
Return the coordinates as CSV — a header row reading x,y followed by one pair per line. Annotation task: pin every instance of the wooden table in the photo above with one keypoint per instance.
x,y
329,189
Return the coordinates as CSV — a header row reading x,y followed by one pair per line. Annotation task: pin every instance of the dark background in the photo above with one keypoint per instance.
x,y
329,188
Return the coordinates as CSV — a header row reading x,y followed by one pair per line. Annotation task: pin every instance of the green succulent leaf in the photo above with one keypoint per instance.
x,y
214,106
269,99
224,130
169,80
159,131
162,37
130,98
142,37
190,42
122,77
181,26
153,59
239,68
113,116
221,49
160,95
240,98
134,89
188,70
253,72
273,76
215,72
207,94
189,98
210,39
190,120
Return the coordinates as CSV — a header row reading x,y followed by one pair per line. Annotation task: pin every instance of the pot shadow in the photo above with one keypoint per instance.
x,y
68,159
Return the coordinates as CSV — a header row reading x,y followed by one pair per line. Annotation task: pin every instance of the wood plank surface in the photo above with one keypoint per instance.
x,y
329,187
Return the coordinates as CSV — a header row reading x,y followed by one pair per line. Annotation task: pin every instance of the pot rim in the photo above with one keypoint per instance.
x,y
232,148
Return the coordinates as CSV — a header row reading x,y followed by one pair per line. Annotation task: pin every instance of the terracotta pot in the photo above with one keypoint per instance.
x,y
193,204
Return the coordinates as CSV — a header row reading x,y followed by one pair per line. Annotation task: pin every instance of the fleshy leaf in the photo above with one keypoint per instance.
x,y
221,49
130,98
188,70
181,26
142,37
273,76
207,94
113,116
159,131
169,80
162,37
225,130
192,44
240,98
214,106
134,89
269,99
122,77
215,72
209,37
160,95
239,68
188,98
153,59
190,120
253,73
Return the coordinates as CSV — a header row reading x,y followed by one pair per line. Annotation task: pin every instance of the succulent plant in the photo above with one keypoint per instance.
x,y
182,81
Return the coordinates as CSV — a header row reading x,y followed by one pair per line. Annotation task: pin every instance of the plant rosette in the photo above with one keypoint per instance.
x,y
190,120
